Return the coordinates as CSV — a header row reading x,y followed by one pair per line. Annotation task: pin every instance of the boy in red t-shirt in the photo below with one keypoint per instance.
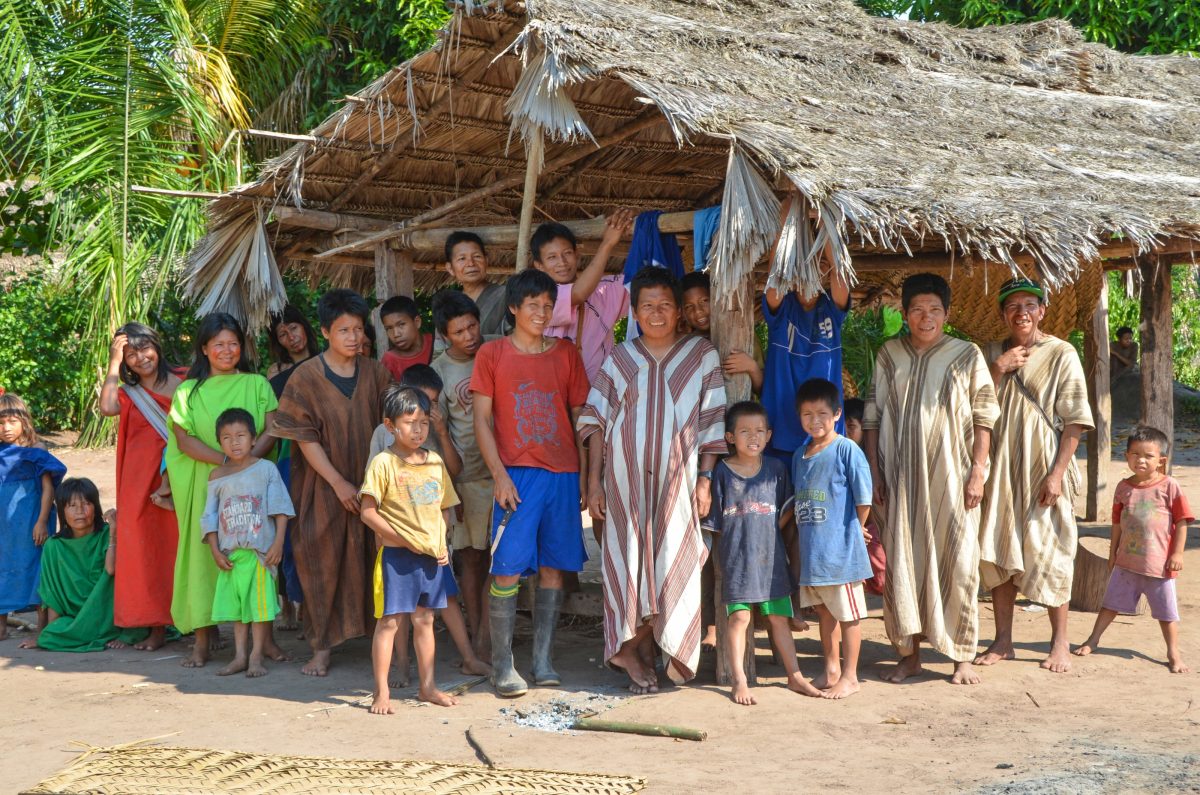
x,y
406,344
529,390
1149,532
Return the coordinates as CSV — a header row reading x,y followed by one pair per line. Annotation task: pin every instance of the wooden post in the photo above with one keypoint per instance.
x,y
385,288
533,167
1157,363
404,274
1099,445
733,329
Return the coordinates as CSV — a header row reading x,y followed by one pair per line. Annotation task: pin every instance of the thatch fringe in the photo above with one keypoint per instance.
x,y
749,223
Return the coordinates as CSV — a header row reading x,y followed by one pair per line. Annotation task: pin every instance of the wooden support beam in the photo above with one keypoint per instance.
x,y
1157,362
385,288
533,168
404,274
474,69
327,221
1099,440
649,118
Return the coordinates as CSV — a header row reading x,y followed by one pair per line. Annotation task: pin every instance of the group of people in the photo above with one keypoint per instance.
x,y
378,495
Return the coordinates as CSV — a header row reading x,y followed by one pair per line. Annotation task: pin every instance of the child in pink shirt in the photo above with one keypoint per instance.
x,y
1149,532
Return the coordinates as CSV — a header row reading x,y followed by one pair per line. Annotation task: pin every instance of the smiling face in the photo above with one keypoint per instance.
x,y
293,338
657,313
79,515
559,260
1144,459
818,419
409,430
463,336
695,309
750,435
236,440
926,318
468,264
533,314
345,335
223,352
142,362
1022,313
403,332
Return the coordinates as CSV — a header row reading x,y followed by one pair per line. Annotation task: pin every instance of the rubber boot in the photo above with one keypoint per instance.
x,y
502,616
546,605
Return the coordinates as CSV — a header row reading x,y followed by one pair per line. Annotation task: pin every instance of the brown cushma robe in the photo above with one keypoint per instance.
x,y
334,550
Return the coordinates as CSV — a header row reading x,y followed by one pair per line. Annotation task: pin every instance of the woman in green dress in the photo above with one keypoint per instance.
x,y
76,578
220,378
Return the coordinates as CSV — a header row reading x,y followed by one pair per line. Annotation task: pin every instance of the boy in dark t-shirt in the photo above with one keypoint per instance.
x,y
750,499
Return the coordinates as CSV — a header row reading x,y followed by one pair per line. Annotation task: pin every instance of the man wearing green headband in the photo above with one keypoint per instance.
x,y
1028,533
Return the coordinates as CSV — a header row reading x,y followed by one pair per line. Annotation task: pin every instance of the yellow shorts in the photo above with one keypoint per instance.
x,y
844,602
476,526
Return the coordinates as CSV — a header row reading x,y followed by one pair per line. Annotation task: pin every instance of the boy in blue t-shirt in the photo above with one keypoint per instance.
x,y
804,340
832,501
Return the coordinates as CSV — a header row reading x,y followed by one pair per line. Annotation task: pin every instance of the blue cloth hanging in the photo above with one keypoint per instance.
x,y
651,247
704,230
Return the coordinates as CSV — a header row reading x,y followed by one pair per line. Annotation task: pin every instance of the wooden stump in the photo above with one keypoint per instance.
x,y
1091,576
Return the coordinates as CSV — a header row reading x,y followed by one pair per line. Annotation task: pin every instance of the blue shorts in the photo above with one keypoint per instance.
x,y
405,580
546,529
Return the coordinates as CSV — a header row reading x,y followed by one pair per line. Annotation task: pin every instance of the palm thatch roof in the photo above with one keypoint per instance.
x,y
911,144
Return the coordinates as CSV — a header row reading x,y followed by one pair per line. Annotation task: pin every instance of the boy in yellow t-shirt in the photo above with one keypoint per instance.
x,y
406,500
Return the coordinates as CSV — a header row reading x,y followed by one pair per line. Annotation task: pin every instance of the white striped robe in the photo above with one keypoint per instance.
x,y
657,417
926,405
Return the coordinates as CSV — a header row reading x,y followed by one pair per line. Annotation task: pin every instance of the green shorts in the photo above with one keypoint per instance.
x,y
246,593
779,606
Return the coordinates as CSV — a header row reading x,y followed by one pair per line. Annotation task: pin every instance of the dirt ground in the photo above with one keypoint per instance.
x,y
1118,722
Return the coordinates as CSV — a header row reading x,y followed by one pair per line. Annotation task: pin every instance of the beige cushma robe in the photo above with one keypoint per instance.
x,y
1020,538
335,551
925,406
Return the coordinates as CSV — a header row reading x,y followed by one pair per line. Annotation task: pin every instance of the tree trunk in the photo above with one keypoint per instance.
x,y
1098,372
1158,376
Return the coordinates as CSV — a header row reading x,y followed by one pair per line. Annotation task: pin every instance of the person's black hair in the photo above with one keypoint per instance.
x,y
290,314
547,232
236,416
744,408
400,401
422,376
654,276
211,326
695,279
854,409
451,304
462,237
1147,433
819,390
924,284
1124,330
86,490
336,303
140,336
529,283
399,305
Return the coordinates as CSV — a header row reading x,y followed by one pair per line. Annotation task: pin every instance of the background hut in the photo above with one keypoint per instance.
x,y
976,153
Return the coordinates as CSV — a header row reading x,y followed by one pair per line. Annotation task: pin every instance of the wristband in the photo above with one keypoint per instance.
x,y
704,473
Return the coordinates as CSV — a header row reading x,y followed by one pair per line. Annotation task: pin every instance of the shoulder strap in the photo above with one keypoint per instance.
x,y
148,407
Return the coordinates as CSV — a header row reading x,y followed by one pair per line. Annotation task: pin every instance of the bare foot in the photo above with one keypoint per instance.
x,y
256,668
116,644
198,659
741,694
827,679
153,642
238,665
908,666
709,642
845,686
287,618
399,677
798,624
435,696
1059,661
798,684
1084,649
999,650
641,680
381,704
1176,665
318,665
272,652
476,667
964,675
28,643
215,642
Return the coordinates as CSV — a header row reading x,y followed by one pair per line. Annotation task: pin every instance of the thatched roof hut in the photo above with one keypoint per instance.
x,y
1022,146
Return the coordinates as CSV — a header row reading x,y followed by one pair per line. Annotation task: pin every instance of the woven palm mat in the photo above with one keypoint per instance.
x,y
154,770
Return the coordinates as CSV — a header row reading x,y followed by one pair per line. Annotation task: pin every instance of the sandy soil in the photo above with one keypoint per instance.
x,y
1117,722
